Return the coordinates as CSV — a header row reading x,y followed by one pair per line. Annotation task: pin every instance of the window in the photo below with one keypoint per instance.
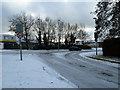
x,y
12,38
5,37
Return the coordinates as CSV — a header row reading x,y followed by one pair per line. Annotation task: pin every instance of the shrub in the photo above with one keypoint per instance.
x,y
111,47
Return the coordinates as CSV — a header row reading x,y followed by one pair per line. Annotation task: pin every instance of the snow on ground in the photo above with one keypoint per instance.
x,y
93,49
29,73
82,71
97,48
85,54
35,51
0,72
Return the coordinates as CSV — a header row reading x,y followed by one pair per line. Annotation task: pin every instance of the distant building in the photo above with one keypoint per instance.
x,y
90,43
7,41
79,42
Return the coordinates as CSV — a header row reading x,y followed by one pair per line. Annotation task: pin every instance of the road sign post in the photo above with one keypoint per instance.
x,y
19,30
20,49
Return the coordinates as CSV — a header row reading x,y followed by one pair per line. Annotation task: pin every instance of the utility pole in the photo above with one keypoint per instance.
x,y
96,38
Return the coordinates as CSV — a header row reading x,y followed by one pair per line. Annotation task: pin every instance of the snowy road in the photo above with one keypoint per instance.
x,y
84,73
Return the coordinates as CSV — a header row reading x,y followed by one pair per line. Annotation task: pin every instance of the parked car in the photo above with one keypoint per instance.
x,y
74,48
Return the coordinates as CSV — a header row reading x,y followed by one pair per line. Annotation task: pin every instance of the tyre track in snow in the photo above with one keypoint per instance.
x,y
82,72
99,69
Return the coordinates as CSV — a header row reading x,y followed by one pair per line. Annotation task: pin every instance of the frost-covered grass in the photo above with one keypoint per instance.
x,y
29,73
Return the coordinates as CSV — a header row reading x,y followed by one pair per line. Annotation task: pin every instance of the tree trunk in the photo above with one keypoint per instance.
x,y
26,39
39,38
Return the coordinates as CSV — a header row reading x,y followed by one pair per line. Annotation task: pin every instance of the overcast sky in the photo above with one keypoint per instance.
x,y
73,12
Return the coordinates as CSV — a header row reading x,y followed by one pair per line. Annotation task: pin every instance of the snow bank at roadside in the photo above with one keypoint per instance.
x,y
29,73
97,49
42,51
92,49
86,54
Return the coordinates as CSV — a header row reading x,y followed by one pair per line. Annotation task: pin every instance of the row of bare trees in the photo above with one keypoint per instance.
x,y
48,30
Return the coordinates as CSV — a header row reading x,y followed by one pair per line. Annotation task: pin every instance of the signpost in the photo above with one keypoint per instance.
x,y
20,35
19,30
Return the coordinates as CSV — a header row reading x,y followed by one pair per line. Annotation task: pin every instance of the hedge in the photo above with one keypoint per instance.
x,y
111,47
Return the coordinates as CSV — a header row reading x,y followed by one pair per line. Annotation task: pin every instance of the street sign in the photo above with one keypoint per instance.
x,y
20,35
19,28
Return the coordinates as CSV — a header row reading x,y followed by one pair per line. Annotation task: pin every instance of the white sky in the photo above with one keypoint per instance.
x,y
69,11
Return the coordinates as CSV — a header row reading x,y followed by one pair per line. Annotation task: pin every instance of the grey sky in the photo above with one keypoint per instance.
x,y
73,12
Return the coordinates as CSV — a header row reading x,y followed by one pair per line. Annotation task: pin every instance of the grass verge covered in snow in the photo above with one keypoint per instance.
x,y
29,73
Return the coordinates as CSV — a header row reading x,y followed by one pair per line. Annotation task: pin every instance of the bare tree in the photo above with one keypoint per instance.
x,y
40,29
26,20
48,23
52,31
81,33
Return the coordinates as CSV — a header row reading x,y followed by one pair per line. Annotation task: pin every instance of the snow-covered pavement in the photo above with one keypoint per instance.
x,y
0,71
29,73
